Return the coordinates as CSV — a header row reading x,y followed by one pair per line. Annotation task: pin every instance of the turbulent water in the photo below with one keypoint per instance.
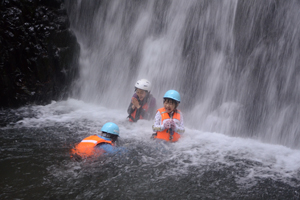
x,y
35,161
235,64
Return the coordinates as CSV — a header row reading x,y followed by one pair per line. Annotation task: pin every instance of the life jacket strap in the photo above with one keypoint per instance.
x,y
170,131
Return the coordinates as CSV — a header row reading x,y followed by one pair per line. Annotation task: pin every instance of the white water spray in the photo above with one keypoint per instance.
x,y
203,49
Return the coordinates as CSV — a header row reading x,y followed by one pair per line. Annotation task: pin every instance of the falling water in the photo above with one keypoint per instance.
x,y
235,63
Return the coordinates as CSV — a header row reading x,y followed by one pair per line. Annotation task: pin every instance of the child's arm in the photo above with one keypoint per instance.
x,y
132,106
130,109
180,125
109,149
157,126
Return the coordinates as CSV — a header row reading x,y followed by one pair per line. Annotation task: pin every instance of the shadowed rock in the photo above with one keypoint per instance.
x,y
39,54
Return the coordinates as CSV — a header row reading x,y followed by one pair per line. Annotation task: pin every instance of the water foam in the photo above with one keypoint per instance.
x,y
196,148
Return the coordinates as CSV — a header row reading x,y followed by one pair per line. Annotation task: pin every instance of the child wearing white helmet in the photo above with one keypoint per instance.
x,y
168,123
143,104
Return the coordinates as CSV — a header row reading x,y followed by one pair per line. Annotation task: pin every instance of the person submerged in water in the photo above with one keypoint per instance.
x,y
96,145
143,104
168,122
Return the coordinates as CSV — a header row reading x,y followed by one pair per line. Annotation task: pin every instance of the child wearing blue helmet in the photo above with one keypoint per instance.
x,y
96,145
168,123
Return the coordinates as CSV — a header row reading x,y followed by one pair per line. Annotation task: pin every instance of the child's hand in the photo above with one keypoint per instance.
x,y
173,125
135,102
167,124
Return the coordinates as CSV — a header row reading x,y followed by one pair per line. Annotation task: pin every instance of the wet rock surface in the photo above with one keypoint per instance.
x,y
38,52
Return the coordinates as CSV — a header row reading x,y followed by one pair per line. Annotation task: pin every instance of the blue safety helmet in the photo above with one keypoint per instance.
x,y
172,94
111,128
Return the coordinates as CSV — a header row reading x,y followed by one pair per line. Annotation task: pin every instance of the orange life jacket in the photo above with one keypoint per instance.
x,y
165,134
145,107
86,147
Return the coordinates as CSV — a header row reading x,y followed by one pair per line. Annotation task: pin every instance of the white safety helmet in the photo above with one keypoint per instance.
x,y
143,84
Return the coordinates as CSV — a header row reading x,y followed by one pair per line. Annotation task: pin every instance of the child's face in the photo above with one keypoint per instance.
x,y
141,94
169,105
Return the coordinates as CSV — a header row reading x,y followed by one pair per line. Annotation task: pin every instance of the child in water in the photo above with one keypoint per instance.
x,y
143,104
96,145
168,123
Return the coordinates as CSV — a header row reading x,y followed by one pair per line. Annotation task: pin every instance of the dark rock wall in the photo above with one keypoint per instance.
x,y
38,52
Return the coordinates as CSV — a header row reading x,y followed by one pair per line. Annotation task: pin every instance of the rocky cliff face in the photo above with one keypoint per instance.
x,y
38,52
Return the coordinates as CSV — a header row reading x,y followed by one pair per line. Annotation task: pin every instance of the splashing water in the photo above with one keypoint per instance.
x,y
35,160
235,66
227,59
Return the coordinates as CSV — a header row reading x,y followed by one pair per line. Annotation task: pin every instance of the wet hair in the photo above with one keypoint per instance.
x,y
113,137
135,89
172,101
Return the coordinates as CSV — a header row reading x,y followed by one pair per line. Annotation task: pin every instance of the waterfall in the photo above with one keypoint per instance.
x,y
235,63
